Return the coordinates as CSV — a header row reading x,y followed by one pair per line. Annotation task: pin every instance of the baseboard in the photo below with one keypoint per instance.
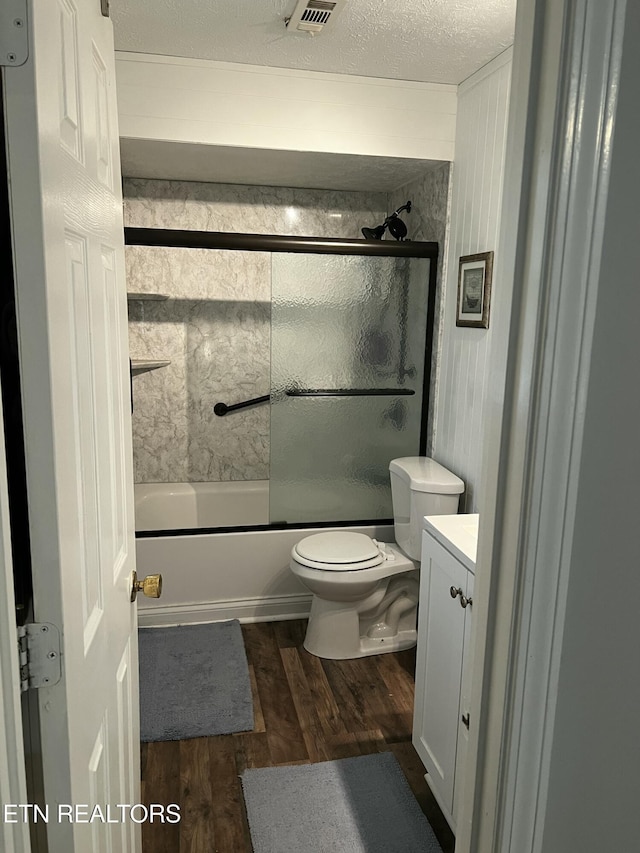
x,y
271,609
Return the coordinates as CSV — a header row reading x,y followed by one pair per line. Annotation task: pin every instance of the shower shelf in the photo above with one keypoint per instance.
x,y
147,297
143,365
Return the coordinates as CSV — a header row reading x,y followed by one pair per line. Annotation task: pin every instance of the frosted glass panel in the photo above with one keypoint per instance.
x,y
343,324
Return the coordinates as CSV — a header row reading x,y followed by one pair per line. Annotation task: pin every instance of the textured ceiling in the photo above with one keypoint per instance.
x,y
436,41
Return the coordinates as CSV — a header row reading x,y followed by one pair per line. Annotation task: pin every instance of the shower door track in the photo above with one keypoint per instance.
x,y
264,528
175,239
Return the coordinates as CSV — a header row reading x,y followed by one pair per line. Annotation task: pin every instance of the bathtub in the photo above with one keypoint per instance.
x,y
210,576
181,506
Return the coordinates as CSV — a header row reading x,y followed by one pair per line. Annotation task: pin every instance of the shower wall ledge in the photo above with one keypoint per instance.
x,y
144,365
147,297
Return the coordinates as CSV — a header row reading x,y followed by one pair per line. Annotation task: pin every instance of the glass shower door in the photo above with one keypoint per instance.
x,y
347,367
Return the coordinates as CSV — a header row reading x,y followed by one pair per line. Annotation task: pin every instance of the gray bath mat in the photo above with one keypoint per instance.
x,y
363,805
194,682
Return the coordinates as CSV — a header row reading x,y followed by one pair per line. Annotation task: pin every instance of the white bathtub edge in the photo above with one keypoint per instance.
x,y
266,609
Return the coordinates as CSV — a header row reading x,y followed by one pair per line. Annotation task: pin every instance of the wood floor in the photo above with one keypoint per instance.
x,y
306,710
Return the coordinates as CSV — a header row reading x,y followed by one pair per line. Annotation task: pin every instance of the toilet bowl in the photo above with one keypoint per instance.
x,y
365,592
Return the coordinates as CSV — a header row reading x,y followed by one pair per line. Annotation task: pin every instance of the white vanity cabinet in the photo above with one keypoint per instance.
x,y
441,712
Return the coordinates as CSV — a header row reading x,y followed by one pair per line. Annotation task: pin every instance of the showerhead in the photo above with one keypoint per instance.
x,y
396,226
374,233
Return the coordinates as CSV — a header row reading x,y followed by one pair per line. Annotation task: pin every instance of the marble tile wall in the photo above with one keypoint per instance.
x,y
215,326
429,220
215,330
250,209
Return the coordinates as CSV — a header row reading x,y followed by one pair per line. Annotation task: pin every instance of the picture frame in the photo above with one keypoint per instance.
x,y
474,290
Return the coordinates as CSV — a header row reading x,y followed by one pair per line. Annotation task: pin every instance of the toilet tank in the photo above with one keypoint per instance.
x,y
420,486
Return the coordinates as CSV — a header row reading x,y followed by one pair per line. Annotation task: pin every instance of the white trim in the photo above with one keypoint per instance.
x,y
273,71
270,609
575,229
485,71
557,175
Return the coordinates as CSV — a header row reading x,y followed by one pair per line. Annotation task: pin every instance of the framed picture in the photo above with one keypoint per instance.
x,y
474,290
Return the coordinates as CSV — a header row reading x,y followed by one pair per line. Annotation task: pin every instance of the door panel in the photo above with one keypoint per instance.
x,y
66,212
14,837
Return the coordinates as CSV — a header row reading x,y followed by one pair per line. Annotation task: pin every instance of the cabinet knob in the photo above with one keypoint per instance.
x,y
455,591
465,601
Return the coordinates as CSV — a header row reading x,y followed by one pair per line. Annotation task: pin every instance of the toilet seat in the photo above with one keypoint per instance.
x,y
338,551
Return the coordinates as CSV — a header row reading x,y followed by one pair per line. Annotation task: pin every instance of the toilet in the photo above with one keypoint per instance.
x,y
365,592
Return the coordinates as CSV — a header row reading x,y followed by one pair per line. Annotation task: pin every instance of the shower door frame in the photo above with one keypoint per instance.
x,y
180,239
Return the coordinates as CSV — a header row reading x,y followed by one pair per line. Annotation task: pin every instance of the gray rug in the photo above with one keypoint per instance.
x,y
359,805
194,682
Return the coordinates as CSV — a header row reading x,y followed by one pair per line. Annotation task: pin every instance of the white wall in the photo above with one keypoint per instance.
x,y
475,220
193,101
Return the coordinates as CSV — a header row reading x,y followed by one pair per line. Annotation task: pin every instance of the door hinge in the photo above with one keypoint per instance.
x,y
104,8
39,654
14,33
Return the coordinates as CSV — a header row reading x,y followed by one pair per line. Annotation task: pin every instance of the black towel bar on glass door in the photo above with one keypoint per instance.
x,y
350,392
222,409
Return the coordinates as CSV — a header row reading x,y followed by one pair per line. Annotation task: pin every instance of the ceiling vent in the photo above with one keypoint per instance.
x,y
312,16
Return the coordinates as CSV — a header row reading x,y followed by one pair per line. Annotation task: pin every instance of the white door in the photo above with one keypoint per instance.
x,y
66,216
14,837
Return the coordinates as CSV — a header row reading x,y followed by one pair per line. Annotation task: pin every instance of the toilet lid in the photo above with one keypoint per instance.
x,y
339,551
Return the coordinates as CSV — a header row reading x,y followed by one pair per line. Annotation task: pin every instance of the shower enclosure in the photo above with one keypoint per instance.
x,y
345,341
347,368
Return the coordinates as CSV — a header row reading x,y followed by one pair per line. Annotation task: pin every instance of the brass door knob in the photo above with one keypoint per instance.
x,y
151,586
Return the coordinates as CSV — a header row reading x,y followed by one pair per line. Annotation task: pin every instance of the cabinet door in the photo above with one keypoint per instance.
x,y
439,668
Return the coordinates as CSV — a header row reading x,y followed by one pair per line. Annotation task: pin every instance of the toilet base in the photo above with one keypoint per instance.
x,y
341,630
366,646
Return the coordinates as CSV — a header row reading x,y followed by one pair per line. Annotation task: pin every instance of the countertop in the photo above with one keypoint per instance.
x,y
458,534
